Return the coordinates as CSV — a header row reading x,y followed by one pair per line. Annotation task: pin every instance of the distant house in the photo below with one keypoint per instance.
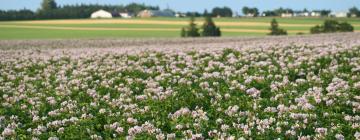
x,y
250,15
180,15
126,15
101,14
286,15
302,14
315,14
340,14
156,13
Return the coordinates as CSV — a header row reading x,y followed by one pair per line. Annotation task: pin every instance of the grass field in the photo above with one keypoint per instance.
x,y
150,27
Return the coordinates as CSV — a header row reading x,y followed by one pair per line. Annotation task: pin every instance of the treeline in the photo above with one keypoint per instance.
x,y
50,10
23,14
279,11
84,11
254,12
215,12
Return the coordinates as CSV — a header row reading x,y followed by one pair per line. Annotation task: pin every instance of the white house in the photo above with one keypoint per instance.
x,y
340,14
286,15
180,15
315,14
101,14
302,14
250,15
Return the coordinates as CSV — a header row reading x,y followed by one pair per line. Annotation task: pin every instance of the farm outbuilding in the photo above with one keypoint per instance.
x,y
315,14
286,15
101,14
156,13
339,14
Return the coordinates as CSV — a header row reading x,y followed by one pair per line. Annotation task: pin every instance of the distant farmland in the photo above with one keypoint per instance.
x,y
151,27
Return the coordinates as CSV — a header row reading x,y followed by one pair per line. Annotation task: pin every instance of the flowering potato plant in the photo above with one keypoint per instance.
x,y
293,91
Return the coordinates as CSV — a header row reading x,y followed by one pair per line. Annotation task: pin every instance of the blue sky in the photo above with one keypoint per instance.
x,y
200,5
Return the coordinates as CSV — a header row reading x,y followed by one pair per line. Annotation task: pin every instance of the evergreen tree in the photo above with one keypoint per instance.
x,y
209,28
183,32
48,5
191,30
275,30
206,13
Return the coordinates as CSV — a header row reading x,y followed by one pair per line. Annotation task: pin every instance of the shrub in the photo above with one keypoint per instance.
x,y
345,27
300,33
315,30
331,26
209,28
275,30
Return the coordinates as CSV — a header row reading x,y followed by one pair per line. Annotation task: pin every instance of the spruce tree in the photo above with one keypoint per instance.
x,y
183,32
191,30
206,13
209,28
275,30
48,5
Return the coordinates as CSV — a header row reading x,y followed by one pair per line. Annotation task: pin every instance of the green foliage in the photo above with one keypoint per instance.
x,y
135,7
50,10
210,102
331,26
183,32
281,10
209,28
315,30
222,12
346,27
191,30
48,5
354,11
17,15
206,13
275,30
324,13
254,11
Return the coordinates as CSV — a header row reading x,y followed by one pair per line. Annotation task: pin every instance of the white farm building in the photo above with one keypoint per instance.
x,y
101,14
339,14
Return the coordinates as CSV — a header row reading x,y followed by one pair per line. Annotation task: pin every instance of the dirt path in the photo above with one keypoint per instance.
x,y
181,43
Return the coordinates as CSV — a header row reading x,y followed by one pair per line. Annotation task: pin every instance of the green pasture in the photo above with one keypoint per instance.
x,y
21,32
